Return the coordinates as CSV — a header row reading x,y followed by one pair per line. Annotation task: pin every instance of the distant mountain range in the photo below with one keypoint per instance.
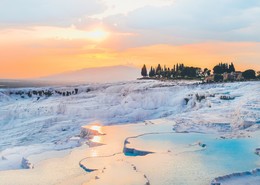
x,y
100,74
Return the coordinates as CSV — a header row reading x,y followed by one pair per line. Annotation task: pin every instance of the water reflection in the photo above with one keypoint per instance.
x,y
96,139
97,134
97,128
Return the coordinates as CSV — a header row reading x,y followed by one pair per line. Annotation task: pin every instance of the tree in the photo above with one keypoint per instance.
x,y
232,68
144,71
181,67
169,73
152,72
208,72
158,70
163,72
249,74
218,69
173,72
224,68
188,72
218,78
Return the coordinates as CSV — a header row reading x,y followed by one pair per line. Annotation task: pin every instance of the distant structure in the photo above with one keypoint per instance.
x,y
209,79
224,72
233,76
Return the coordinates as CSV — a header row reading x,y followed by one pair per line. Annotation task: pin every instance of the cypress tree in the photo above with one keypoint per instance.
x,y
158,70
232,67
151,72
154,72
144,71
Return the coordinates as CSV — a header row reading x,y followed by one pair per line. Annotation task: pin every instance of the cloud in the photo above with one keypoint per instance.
x,y
189,21
200,14
53,36
124,7
47,12
156,22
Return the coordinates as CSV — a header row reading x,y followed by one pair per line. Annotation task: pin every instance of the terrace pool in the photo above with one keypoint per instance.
x,y
182,160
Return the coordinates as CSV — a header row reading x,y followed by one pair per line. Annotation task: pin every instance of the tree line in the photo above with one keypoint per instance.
x,y
177,71
222,68
180,71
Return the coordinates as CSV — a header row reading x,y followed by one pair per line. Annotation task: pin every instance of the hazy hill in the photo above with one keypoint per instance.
x,y
100,74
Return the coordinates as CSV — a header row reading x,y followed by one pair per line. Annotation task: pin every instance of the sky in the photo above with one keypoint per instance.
x,y
44,37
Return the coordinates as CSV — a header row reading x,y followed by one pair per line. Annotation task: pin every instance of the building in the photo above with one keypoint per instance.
x,y
228,77
238,75
234,76
209,79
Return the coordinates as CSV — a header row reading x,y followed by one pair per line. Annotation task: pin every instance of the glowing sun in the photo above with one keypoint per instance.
x,y
98,35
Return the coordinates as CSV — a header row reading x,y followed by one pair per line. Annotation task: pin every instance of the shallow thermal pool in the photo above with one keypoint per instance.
x,y
178,159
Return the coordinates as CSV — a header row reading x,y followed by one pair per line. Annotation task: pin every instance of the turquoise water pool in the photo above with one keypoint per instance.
x,y
192,164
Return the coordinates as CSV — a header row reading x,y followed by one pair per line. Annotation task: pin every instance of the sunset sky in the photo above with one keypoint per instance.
x,y
43,37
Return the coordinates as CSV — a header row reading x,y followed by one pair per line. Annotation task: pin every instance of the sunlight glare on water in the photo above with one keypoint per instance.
x,y
97,128
96,139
